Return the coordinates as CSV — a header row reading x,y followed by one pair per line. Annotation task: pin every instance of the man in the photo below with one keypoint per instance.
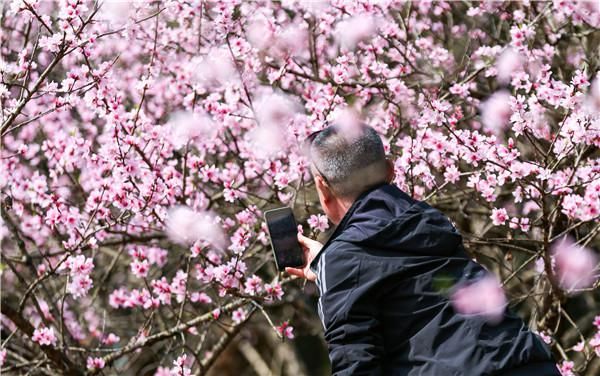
x,y
381,308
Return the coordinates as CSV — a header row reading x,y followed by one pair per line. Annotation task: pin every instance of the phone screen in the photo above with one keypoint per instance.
x,y
283,232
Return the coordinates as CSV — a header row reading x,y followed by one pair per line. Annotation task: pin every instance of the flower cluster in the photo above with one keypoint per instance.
x,y
44,336
80,268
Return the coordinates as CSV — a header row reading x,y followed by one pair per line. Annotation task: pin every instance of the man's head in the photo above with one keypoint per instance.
x,y
345,163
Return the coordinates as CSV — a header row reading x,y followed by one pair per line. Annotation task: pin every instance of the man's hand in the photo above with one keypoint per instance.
x,y
310,248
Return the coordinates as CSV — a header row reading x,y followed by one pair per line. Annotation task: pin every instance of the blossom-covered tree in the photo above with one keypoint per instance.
x,y
141,142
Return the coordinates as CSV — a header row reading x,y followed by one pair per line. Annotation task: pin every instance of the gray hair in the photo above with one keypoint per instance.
x,y
350,161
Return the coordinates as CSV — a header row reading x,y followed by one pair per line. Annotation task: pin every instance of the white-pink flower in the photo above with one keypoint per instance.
x,y
496,111
187,126
200,297
239,315
499,216
286,330
508,62
351,31
44,336
116,12
452,174
187,226
111,339
484,297
576,266
95,363
547,338
215,68
566,368
260,33
318,222
139,268
253,285
79,285
180,367
274,291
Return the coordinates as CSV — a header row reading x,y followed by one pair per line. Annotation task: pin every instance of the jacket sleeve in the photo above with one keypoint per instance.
x,y
349,314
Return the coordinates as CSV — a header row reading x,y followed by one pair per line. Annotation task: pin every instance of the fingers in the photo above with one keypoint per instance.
x,y
296,272
303,240
307,242
305,273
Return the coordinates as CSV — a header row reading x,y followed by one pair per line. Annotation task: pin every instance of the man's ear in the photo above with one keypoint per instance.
x,y
391,172
324,189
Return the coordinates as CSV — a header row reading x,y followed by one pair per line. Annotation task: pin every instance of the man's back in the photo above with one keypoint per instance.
x,y
383,279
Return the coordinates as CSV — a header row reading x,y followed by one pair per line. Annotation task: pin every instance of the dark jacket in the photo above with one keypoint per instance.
x,y
384,302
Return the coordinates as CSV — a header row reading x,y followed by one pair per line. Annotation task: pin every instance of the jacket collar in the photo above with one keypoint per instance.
x,y
343,223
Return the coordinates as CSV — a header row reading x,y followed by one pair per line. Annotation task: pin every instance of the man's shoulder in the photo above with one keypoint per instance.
x,y
340,248
337,254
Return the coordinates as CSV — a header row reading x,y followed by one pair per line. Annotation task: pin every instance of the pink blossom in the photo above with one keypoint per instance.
x,y
274,291
496,111
162,371
79,285
499,216
180,367
260,33
239,315
79,265
566,368
140,268
117,12
575,265
595,93
95,363
253,285
520,35
51,43
462,90
508,63
157,256
41,269
2,357
286,330
452,174
595,343
186,127
118,298
484,297
215,68
318,222
348,121
200,297
179,285
547,338
351,31
580,80
111,339
522,223
187,226
291,41
163,290
44,336
275,110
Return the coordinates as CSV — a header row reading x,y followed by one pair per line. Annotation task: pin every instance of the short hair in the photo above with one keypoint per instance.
x,y
350,160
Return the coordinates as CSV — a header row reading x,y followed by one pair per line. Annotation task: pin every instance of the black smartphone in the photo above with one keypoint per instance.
x,y
283,232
